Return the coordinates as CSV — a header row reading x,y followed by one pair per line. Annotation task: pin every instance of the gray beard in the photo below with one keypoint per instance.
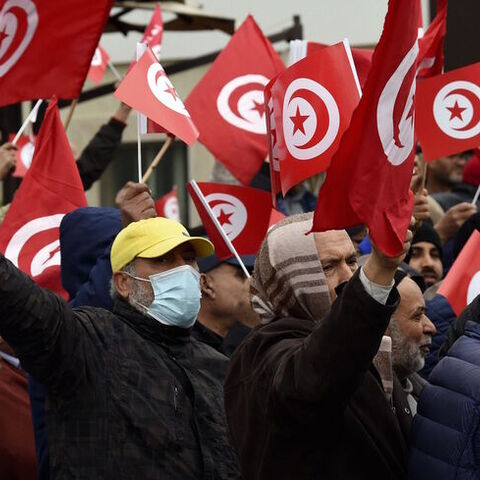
x,y
406,356
141,296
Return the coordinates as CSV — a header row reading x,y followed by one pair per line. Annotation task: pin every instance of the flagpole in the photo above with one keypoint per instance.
x,y
139,146
70,113
30,118
477,194
157,159
424,179
115,72
220,229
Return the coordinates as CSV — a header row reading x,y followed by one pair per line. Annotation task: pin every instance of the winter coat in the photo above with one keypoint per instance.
x,y
126,396
446,429
304,400
86,275
441,315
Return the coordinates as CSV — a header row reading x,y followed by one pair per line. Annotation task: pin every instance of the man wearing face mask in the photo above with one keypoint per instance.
x,y
129,393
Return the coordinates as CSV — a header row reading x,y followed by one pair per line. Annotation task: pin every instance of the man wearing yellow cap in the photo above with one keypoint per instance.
x,y
130,395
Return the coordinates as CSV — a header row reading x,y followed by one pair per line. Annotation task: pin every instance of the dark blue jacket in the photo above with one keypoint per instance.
x,y
445,439
86,235
441,314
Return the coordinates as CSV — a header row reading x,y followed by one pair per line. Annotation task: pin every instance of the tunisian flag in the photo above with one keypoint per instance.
x,y
146,88
462,283
448,112
431,57
98,65
167,206
369,176
313,102
46,46
29,235
228,105
23,154
362,58
243,213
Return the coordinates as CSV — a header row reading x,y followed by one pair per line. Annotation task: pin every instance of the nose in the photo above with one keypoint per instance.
x,y
428,326
344,273
427,260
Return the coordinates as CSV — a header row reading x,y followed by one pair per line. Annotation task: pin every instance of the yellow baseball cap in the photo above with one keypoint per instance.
x,y
152,238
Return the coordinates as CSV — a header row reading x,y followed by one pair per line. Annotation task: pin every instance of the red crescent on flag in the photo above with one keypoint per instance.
x,y
237,94
20,31
320,111
214,203
474,100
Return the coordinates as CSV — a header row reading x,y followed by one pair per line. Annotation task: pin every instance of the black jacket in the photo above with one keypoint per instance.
x,y
304,401
127,397
99,152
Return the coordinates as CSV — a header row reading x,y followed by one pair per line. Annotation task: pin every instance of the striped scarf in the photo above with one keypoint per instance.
x,y
288,280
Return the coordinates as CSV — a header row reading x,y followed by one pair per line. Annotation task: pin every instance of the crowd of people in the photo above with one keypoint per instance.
x,y
333,361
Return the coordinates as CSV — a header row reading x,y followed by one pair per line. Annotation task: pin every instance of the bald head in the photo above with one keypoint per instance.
x,y
338,257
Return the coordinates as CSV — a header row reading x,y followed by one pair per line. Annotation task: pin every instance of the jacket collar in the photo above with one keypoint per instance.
x,y
148,327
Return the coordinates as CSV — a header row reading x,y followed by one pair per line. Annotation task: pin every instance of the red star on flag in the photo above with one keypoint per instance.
x,y
172,92
298,121
456,111
3,36
259,107
224,218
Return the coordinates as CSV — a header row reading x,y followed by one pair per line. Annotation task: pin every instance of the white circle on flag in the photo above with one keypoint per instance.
x,y
241,103
171,209
456,109
304,137
163,89
44,257
473,288
230,213
398,139
26,154
16,16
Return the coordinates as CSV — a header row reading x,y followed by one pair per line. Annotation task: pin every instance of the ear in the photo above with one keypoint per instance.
x,y
121,283
207,286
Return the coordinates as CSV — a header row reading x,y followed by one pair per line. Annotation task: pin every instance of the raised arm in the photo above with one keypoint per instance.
x,y
42,329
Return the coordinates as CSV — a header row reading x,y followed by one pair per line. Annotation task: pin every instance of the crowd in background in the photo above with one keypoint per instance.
x,y
333,361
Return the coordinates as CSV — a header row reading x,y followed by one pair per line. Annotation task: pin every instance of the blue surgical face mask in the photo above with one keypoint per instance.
x,y
177,296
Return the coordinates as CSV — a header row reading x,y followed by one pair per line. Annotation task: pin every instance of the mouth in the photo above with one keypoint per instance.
x,y
430,278
425,349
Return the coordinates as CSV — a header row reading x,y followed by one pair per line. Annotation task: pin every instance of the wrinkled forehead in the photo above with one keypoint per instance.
x,y
333,243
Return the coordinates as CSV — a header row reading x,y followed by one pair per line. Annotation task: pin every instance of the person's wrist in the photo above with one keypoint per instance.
x,y
380,270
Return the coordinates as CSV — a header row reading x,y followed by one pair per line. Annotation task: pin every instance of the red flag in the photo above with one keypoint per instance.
x,y
462,283
313,101
153,35
275,217
46,47
147,88
362,58
154,32
448,112
228,103
431,57
24,154
167,206
29,235
274,165
368,179
98,65
243,213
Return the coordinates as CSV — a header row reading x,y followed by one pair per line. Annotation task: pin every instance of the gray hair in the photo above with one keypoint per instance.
x,y
128,268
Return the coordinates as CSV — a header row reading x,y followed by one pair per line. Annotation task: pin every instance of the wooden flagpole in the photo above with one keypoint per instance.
x,y
157,159
70,113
